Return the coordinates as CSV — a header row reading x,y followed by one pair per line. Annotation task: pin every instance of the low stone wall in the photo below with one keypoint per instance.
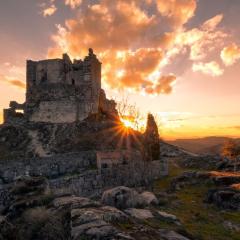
x,y
50,167
94,182
77,173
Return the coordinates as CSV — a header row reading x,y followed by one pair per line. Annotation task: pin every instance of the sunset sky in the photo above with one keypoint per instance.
x,y
179,59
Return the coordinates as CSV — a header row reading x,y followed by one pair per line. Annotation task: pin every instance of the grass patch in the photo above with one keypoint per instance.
x,y
203,221
124,226
164,183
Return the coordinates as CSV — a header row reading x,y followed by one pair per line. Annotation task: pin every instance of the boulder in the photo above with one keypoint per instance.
x,y
27,192
112,214
74,202
226,198
97,229
139,213
149,198
231,226
167,216
106,213
171,235
122,198
95,223
226,180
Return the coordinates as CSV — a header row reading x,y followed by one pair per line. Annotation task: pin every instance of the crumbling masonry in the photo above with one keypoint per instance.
x,y
61,91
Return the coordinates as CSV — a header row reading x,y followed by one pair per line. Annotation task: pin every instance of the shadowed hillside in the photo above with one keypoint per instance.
x,y
207,145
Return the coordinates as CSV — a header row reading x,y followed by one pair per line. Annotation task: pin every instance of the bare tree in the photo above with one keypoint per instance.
x,y
129,111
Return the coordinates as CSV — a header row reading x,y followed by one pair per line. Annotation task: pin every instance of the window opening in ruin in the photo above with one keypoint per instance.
x,y
19,111
73,82
104,165
44,76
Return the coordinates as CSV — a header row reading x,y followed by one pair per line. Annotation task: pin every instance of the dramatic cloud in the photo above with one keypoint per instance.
x,y
128,53
211,68
203,40
212,23
230,54
73,3
136,40
164,85
179,11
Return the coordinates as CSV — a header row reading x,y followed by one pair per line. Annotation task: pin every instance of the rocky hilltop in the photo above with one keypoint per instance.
x,y
69,169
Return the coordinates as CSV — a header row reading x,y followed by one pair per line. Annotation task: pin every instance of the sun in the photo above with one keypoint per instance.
x,y
127,123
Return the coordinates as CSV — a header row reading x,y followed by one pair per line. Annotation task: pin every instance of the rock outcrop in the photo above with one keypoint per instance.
x,y
124,197
225,198
35,213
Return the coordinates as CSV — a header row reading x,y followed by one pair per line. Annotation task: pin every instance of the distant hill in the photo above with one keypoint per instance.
x,y
206,145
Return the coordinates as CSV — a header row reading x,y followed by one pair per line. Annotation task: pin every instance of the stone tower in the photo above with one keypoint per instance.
x,y
60,91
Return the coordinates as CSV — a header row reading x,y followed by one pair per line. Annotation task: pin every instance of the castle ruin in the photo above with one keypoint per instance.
x,y
61,91
68,131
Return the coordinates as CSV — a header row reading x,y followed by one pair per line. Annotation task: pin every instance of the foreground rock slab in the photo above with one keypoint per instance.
x,y
139,213
95,223
171,235
74,202
124,197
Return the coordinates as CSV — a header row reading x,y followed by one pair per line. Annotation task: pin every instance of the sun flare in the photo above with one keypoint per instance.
x,y
127,123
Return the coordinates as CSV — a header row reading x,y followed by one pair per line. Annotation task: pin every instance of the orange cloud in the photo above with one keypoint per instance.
x,y
203,40
164,85
210,68
178,11
12,81
212,23
132,43
129,56
73,3
131,69
49,11
230,54
17,83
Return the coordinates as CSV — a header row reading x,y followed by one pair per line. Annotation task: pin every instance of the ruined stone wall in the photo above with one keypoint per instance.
x,y
50,71
62,91
52,81
67,111
51,167
14,114
77,173
55,112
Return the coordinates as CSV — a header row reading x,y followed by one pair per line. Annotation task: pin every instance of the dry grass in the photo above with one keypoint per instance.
x,y
201,220
224,174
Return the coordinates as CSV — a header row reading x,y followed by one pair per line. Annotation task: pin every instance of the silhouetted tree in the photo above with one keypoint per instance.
x,y
151,139
127,110
231,150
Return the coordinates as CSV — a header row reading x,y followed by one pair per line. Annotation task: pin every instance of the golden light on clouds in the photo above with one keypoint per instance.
x,y
211,68
49,11
134,47
179,12
73,3
230,54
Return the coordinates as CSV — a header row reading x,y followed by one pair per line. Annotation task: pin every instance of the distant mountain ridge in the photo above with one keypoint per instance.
x,y
206,145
